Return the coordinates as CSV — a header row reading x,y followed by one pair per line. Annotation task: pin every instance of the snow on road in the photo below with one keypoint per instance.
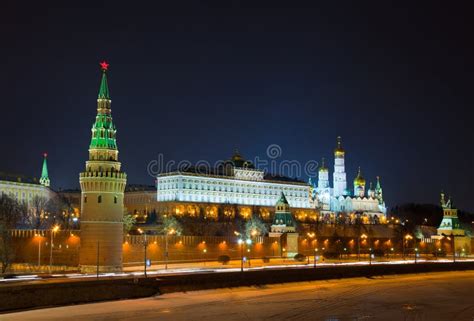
x,y
434,296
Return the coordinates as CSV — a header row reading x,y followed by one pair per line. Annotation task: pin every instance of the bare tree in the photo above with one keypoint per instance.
x,y
11,214
38,212
58,211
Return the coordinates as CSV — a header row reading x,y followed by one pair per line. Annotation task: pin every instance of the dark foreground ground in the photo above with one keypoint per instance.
x,y
440,296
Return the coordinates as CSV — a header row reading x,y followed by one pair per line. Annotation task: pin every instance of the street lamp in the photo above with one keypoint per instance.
x,y
416,254
170,232
451,238
405,239
315,256
242,243
39,250
145,246
363,236
54,229
204,255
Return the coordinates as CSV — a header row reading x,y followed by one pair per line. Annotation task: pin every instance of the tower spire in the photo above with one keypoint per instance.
x,y
103,130
104,87
44,180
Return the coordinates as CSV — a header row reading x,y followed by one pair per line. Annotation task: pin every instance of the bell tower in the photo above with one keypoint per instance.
x,y
102,187
339,176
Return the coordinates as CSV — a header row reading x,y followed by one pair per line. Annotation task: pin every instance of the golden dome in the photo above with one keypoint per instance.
x,y
339,151
359,180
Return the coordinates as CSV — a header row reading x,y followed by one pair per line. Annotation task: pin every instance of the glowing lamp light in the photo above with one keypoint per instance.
x,y
240,241
248,241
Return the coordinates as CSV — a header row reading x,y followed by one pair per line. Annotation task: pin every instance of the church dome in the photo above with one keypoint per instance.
x,y
339,151
359,180
238,161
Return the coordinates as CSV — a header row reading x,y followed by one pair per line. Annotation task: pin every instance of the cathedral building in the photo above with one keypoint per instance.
x,y
367,204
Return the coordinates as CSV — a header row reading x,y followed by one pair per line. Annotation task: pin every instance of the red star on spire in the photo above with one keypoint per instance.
x,y
45,154
104,65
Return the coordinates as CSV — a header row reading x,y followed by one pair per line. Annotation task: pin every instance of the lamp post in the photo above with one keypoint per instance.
x,y
242,243
453,246
406,238
451,238
363,236
358,248
53,230
315,256
145,246
171,231
39,250
311,236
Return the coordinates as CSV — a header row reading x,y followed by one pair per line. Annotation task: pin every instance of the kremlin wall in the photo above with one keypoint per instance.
x,y
213,207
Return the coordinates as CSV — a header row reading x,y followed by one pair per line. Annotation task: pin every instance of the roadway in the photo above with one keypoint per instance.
x,y
435,296
200,267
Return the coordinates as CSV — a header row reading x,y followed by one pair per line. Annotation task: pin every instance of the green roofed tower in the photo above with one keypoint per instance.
x,y
103,130
44,180
102,189
283,217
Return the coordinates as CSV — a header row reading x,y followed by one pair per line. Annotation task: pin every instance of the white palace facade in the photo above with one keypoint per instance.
x,y
26,189
237,182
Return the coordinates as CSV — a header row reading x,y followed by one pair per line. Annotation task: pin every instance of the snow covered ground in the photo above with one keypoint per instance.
x,y
431,296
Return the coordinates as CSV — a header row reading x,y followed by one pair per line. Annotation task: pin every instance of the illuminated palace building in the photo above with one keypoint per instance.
x,y
236,182
367,204
25,189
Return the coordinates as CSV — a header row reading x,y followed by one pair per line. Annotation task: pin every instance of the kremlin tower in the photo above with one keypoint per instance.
x,y
339,177
102,187
44,180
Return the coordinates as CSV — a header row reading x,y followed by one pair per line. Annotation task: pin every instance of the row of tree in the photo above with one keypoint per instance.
x,y
12,214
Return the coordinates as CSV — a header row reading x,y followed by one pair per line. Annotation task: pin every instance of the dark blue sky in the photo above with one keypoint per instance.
x,y
194,81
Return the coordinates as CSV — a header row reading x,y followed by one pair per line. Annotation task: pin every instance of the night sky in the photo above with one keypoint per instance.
x,y
194,80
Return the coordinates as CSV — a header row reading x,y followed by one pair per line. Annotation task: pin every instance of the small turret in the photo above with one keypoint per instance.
x,y
44,180
378,191
371,192
323,175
